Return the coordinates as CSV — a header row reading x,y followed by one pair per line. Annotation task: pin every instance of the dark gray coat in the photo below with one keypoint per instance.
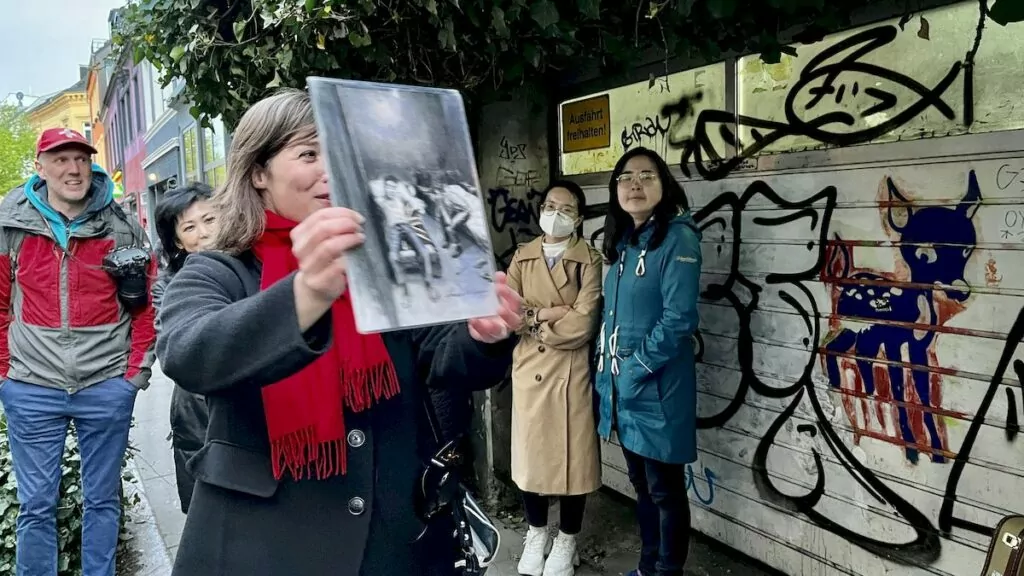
x,y
189,418
223,338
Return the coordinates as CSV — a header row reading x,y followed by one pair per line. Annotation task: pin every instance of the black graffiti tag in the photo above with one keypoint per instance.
x,y
507,210
947,517
832,127
650,128
512,152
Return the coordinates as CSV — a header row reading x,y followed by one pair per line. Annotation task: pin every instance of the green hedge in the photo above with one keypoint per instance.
x,y
69,508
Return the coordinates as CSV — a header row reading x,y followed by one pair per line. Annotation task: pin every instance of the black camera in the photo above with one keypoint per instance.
x,y
129,267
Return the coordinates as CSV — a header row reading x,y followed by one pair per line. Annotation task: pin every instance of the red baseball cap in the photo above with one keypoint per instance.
x,y
57,137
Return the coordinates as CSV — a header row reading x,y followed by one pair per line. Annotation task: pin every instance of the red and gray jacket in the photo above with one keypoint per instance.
x,y
61,322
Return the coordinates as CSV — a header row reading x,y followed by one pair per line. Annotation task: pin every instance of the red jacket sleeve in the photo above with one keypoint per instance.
x,y
143,335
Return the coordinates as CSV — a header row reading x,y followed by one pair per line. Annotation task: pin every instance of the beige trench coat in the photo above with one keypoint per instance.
x,y
554,436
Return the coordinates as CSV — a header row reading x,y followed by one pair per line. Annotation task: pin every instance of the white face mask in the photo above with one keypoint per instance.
x,y
556,224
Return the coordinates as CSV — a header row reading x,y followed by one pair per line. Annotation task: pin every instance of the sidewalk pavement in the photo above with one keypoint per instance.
x,y
609,547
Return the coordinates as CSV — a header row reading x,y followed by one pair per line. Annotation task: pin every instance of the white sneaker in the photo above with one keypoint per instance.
x,y
534,546
563,559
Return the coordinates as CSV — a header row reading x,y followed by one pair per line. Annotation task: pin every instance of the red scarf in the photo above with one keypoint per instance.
x,y
305,411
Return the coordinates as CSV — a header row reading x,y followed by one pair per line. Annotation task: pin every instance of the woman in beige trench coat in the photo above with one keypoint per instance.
x,y
554,435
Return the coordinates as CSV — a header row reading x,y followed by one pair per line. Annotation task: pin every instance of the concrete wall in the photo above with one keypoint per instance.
x,y
512,156
863,299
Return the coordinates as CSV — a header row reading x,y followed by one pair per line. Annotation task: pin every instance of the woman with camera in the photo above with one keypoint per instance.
x,y
318,435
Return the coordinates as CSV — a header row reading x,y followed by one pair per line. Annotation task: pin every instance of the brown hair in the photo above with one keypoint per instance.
x,y
265,129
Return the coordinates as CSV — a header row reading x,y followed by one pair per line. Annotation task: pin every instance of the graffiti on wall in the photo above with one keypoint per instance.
x,y
648,132
881,371
869,92
901,312
511,152
947,513
693,485
742,293
878,350
514,203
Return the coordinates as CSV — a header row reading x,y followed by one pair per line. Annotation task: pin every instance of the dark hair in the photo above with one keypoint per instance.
x,y
577,192
391,178
424,179
617,223
173,204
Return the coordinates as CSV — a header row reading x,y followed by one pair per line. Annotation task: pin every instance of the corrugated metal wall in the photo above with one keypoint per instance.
x,y
852,323
860,375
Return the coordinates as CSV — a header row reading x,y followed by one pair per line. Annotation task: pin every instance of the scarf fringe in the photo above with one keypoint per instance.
x,y
302,457
364,387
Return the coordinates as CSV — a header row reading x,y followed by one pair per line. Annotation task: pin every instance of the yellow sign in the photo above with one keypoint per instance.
x,y
586,125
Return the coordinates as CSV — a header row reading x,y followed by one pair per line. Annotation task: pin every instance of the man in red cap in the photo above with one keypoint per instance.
x,y
76,344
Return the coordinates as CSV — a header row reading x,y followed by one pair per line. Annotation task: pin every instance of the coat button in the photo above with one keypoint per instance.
x,y
537,378
540,348
356,506
356,438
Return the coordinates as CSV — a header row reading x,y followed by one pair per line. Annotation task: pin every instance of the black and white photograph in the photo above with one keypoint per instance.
x,y
401,156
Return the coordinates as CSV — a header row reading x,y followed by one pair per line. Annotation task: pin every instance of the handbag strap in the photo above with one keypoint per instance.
x,y
468,564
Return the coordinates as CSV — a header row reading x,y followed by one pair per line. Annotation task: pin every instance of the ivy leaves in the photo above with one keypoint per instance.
x,y
544,13
231,52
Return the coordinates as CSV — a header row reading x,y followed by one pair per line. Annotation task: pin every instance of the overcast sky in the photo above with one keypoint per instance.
x,y
42,42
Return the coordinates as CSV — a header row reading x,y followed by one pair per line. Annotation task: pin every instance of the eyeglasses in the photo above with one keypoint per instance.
x,y
569,211
646,177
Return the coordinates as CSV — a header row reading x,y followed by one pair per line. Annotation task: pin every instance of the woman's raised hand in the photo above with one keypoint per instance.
x,y
319,243
508,319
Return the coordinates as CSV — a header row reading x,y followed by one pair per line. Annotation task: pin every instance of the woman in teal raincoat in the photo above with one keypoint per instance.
x,y
646,370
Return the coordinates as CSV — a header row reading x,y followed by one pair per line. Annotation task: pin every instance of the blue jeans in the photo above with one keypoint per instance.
x,y
37,424
663,512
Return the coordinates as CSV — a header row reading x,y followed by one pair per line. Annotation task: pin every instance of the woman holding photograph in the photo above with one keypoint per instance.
x,y
318,435
554,437
185,223
646,375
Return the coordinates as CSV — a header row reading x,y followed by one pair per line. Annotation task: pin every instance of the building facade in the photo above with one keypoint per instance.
x,y
179,149
101,68
68,108
122,114
152,142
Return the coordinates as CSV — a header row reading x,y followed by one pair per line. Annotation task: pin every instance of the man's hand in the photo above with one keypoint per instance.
x,y
509,318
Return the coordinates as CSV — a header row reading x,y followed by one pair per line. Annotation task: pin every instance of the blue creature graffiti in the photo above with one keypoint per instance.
x,y
902,313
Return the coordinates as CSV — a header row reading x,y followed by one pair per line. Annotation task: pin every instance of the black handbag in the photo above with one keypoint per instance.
x,y
441,493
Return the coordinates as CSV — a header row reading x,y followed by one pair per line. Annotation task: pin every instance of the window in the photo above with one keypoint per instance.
x,y
156,97
190,149
125,114
111,146
213,153
216,176
87,131
140,117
